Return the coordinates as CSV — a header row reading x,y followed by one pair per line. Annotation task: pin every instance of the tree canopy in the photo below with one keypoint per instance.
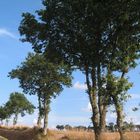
x,y
101,38
18,104
37,75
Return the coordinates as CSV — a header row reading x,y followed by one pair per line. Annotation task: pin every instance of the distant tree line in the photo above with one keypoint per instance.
x,y
78,128
111,127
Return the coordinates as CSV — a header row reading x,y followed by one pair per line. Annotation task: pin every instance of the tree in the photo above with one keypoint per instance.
x,y
100,38
60,127
111,126
68,127
4,114
128,126
118,87
37,75
18,104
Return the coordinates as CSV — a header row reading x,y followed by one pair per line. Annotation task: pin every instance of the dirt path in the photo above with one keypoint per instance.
x,y
17,134
28,134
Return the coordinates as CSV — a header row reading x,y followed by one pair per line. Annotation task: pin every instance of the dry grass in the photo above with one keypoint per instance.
x,y
26,133
17,127
82,135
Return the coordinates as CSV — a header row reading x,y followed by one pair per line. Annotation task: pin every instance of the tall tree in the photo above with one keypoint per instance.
x,y
18,104
98,37
37,75
4,113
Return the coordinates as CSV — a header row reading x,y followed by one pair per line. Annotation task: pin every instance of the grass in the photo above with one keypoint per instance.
x,y
27,133
17,127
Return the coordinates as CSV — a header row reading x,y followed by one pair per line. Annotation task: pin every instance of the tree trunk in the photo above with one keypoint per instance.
x,y
102,102
119,109
40,112
98,135
7,122
93,101
120,123
45,124
39,121
46,111
103,118
15,119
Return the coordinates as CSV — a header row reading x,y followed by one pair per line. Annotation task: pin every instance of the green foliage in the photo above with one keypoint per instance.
x,y
3,113
39,76
128,126
18,104
89,34
111,127
135,109
86,31
118,87
101,38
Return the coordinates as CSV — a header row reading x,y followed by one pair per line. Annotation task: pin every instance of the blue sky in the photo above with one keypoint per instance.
x,y
72,106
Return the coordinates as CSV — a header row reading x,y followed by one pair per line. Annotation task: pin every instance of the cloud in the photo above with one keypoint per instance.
x,y
55,119
87,108
135,96
35,122
5,32
133,118
111,117
80,86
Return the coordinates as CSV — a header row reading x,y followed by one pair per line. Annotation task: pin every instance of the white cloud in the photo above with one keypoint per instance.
x,y
80,86
35,122
111,115
133,118
135,96
5,32
55,119
87,108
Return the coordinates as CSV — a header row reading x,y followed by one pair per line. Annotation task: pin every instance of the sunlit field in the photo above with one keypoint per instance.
x,y
27,133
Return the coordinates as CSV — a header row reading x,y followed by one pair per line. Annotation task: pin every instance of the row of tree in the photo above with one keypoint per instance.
x,y
99,38
38,76
110,127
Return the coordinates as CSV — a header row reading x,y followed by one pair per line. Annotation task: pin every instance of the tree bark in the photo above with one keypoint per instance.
x,y
39,121
103,118
46,111
102,102
7,122
120,122
15,119
93,101
119,109
40,112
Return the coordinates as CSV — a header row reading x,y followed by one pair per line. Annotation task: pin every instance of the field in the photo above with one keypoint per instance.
x,y
26,133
